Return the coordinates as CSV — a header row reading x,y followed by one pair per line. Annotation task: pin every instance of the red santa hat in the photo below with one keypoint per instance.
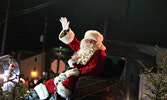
x,y
97,36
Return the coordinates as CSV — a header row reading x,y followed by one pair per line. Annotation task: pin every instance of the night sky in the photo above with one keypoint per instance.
x,y
129,21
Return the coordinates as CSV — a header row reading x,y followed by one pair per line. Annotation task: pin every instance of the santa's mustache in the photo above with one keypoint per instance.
x,y
87,46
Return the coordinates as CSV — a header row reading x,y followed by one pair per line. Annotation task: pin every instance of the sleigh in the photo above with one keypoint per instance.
x,y
88,86
109,82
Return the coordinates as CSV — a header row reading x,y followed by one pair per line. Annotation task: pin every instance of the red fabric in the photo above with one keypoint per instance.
x,y
75,44
93,68
15,64
70,82
26,82
95,64
50,85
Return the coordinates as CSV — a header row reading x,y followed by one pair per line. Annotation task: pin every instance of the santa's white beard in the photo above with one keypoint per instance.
x,y
85,52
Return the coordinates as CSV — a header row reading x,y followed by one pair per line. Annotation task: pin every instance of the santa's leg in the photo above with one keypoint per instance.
x,y
62,85
65,88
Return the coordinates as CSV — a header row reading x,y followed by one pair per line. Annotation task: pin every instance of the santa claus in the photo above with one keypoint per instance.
x,y
88,59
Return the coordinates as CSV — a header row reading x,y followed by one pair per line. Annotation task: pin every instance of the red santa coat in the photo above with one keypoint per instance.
x,y
93,68
94,65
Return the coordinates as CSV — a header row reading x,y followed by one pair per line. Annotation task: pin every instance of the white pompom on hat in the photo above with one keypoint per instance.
x,y
97,36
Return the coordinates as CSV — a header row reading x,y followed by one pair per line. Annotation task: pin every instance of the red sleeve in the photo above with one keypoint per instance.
x,y
75,44
50,85
70,82
95,65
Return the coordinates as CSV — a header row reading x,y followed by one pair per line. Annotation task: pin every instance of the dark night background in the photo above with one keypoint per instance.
x,y
133,21
124,21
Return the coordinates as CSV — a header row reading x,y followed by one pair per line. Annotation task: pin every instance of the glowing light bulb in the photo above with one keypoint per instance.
x,y
34,73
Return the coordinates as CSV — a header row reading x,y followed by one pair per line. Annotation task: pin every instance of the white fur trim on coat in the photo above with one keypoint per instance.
x,y
68,37
72,72
70,63
56,80
41,91
62,91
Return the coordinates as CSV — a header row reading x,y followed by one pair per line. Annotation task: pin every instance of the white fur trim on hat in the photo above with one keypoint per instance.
x,y
95,35
62,91
41,91
72,72
68,37
90,37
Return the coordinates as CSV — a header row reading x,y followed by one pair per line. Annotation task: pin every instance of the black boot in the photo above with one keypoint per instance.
x,y
60,98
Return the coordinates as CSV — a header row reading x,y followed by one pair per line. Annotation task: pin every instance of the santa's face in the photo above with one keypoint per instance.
x,y
90,41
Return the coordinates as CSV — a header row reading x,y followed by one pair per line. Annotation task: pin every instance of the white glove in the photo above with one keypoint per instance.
x,y
60,78
65,23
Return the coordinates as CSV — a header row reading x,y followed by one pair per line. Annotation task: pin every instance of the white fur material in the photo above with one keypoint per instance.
x,y
91,37
41,91
70,63
62,91
60,78
66,38
95,35
56,80
72,72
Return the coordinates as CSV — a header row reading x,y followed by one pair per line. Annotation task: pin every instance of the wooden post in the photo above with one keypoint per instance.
x,y
44,47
